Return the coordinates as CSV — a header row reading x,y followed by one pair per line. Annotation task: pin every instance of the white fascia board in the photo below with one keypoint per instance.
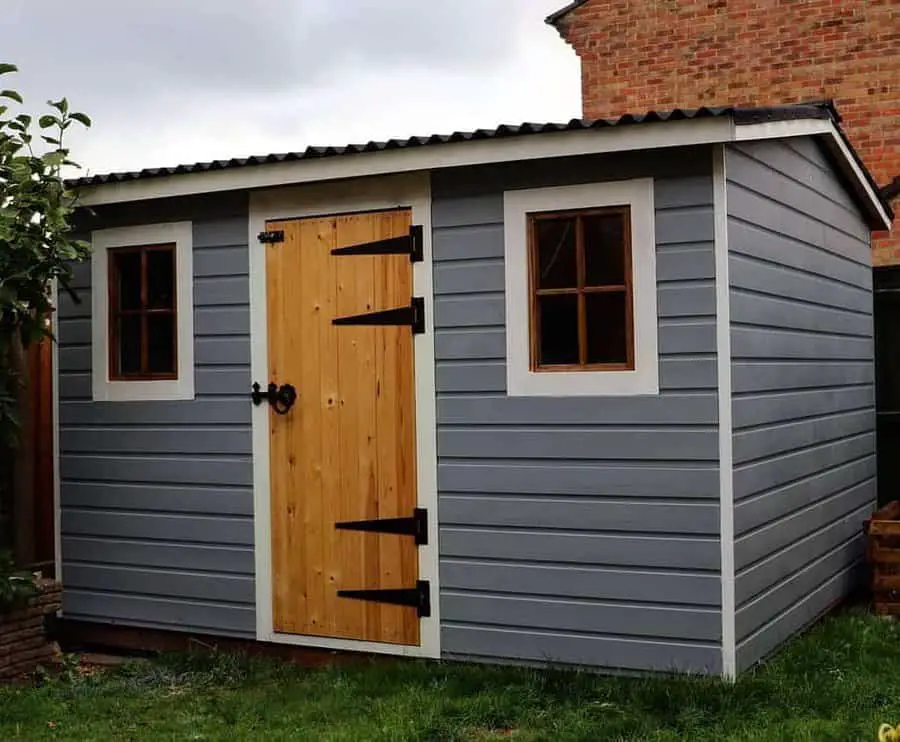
x,y
824,129
626,138
428,157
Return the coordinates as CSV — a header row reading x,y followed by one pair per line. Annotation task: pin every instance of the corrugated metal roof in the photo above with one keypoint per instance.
x,y
818,110
556,17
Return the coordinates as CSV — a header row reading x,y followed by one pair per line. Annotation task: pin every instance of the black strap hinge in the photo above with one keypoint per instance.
x,y
418,597
270,238
411,244
415,526
413,315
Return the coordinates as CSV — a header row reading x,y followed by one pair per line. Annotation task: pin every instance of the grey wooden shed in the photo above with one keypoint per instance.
x,y
597,394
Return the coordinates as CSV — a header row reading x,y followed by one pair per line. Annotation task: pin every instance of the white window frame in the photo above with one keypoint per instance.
x,y
521,381
182,388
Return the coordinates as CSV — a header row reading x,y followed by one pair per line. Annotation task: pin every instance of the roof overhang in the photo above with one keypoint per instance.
x,y
554,18
553,144
892,190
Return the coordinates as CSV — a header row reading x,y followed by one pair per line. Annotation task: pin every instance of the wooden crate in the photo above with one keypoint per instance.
x,y
883,532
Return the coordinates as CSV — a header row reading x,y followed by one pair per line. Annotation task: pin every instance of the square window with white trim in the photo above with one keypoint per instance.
x,y
142,320
581,290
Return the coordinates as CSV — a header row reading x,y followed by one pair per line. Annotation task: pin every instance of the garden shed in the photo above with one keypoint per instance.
x,y
597,394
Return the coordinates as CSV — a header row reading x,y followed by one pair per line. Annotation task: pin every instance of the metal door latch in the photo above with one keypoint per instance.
x,y
282,398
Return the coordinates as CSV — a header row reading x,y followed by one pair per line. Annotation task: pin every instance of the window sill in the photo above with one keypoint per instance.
x,y
582,383
145,391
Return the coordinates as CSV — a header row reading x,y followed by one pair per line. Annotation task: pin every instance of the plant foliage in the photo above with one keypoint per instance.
x,y
16,586
36,243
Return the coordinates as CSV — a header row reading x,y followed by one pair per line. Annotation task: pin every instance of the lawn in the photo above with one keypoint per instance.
x,y
838,682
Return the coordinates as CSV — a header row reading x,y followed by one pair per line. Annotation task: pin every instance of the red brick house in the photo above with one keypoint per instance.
x,y
638,55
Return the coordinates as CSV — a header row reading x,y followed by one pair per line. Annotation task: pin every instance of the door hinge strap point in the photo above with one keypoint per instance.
x,y
418,597
415,526
413,315
411,244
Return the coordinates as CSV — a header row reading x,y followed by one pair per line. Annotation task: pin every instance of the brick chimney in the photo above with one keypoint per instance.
x,y
638,55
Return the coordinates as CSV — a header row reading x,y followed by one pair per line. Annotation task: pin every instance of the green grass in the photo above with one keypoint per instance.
x,y
838,682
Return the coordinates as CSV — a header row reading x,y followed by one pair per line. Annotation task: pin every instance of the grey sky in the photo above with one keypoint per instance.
x,y
173,81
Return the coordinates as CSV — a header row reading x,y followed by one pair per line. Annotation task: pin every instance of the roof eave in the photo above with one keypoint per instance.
x,y
554,18
892,190
653,130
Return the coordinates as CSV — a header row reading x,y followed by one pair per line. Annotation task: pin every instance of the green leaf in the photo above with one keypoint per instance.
x,y
54,159
6,68
81,118
12,95
51,140
46,121
61,105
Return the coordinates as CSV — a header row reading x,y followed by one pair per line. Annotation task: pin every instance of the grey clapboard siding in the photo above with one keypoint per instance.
x,y
581,531
803,395
157,505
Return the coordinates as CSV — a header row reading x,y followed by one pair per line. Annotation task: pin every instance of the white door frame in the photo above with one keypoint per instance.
x,y
346,197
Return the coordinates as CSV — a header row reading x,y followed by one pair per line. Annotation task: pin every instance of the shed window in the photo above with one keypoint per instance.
x,y
580,279
143,311
580,290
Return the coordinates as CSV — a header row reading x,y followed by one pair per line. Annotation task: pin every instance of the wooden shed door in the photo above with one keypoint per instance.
x,y
342,460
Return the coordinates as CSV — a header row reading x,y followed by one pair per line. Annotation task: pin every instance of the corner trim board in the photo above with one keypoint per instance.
x,y
406,191
726,458
54,376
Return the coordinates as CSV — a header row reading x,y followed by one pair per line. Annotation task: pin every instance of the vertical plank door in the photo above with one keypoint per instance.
x,y
346,451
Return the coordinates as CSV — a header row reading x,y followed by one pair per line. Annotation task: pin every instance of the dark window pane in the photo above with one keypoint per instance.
x,y
161,343
604,253
128,279
559,329
160,279
129,329
606,323
556,254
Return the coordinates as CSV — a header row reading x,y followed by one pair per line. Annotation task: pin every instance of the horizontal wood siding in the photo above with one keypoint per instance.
x,y
157,504
803,404
577,530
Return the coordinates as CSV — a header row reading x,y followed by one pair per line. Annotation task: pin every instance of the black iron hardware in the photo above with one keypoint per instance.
x,y
413,315
418,597
411,244
416,526
282,398
270,238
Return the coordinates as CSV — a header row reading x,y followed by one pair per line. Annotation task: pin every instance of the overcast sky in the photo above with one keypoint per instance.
x,y
171,81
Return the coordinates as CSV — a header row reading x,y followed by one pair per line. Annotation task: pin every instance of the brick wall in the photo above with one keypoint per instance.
x,y
658,54
23,644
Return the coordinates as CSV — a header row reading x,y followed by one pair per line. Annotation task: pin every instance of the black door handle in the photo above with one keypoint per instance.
x,y
282,398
